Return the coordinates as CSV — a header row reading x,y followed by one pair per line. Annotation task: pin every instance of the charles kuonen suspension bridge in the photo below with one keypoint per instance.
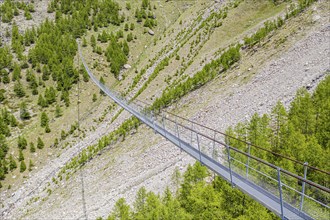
x,y
289,195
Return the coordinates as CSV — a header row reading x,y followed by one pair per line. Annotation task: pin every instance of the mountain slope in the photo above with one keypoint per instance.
x,y
245,88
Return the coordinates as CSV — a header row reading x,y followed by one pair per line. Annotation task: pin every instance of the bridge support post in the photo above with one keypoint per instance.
x,y
229,165
163,121
153,121
248,161
303,187
213,151
191,135
177,131
280,190
199,149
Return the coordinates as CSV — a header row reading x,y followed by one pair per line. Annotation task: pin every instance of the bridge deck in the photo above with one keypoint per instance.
x,y
259,194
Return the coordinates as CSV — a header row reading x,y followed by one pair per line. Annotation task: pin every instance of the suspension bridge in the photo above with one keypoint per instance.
x,y
287,194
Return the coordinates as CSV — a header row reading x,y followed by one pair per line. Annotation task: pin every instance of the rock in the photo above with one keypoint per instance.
x,y
151,32
316,17
127,66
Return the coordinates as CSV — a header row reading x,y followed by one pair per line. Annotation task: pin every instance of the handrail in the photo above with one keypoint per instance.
x,y
256,158
245,142
147,116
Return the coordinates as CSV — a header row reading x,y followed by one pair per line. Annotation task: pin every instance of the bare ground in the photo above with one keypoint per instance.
x,y
148,160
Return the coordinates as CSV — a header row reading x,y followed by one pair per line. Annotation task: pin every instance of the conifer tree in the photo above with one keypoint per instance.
x,y
16,72
40,143
42,102
58,111
121,210
94,97
21,156
47,129
63,135
31,165
32,147
44,120
279,119
302,112
84,42
24,113
93,41
13,121
21,143
19,89
56,142
12,163
22,166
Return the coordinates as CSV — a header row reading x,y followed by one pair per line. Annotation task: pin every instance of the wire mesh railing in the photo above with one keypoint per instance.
x,y
292,192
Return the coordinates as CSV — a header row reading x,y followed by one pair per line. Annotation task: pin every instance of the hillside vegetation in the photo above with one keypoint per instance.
x,y
195,199
301,133
282,132
54,120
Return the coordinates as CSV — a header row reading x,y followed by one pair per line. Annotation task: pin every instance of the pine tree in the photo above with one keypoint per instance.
x,y
12,163
94,97
50,95
42,102
47,129
2,173
21,156
56,142
84,43
322,112
2,94
65,98
44,120
22,166
6,78
125,48
128,6
24,113
140,200
31,165
16,73
129,37
279,119
19,90
58,111
121,210
302,112
13,121
63,135
93,41
21,143
40,143
32,147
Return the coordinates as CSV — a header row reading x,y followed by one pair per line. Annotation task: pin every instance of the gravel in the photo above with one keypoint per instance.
x,y
146,159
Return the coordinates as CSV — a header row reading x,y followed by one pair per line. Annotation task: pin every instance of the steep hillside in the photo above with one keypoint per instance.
x,y
185,36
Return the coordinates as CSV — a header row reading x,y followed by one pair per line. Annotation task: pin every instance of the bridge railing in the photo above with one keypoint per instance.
x,y
304,195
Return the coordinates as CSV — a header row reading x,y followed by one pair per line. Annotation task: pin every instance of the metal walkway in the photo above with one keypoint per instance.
x,y
288,195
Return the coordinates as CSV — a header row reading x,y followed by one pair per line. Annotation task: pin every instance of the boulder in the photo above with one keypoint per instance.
x,y
151,32
127,66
